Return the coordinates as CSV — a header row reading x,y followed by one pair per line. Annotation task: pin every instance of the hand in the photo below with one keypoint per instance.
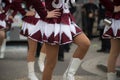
x,y
90,15
116,8
54,13
30,13
10,17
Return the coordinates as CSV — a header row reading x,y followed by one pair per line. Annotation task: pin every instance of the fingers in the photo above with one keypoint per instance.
x,y
54,14
10,17
116,8
30,13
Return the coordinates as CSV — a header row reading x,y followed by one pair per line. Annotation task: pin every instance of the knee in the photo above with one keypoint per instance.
x,y
31,57
51,65
2,36
87,44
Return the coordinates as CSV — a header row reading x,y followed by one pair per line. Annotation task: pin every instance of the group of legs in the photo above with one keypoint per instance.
x,y
81,41
83,44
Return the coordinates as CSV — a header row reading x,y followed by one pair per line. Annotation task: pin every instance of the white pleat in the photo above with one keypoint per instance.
x,y
3,24
30,27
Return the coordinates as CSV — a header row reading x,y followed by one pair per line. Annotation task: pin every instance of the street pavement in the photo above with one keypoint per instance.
x,y
14,65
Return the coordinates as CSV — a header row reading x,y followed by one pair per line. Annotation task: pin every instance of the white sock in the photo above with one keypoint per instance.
x,y
111,76
31,72
41,61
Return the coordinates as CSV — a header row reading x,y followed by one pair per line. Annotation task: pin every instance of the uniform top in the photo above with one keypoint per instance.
x,y
39,7
63,5
109,5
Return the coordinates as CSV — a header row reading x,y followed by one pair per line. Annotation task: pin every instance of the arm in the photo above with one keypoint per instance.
x,y
39,7
17,7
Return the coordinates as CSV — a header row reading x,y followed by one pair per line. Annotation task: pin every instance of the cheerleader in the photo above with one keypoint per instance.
x,y
6,18
2,34
29,27
5,22
112,32
59,31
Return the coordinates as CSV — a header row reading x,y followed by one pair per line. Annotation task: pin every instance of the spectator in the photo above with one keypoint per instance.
x,y
105,43
89,10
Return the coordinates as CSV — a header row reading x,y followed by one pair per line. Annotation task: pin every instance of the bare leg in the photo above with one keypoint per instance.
x,y
31,59
83,44
43,49
51,60
32,50
42,57
2,43
114,53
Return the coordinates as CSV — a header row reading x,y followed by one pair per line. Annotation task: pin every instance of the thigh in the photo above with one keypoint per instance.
x,y
2,36
115,46
81,40
32,45
52,52
43,48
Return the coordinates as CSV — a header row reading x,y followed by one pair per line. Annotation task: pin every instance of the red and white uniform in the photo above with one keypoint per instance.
x,y
30,23
60,30
3,14
11,7
112,31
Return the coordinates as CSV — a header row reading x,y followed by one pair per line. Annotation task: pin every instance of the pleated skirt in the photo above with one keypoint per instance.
x,y
55,33
112,31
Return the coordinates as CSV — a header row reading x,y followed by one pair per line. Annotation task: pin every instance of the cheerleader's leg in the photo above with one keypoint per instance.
x,y
31,59
83,44
114,53
2,44
51,60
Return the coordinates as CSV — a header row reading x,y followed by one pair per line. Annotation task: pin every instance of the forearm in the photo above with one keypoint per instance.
x,y
39,7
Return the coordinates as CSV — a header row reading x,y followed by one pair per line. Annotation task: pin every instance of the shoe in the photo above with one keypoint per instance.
x,y
100,50
72,68
2,49
107,51
31,72
41,66
41,61
32,76
111,76
2,55
60,59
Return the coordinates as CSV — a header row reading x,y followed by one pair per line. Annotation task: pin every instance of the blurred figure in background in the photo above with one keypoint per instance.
x,y
89,11
7,13
105,43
